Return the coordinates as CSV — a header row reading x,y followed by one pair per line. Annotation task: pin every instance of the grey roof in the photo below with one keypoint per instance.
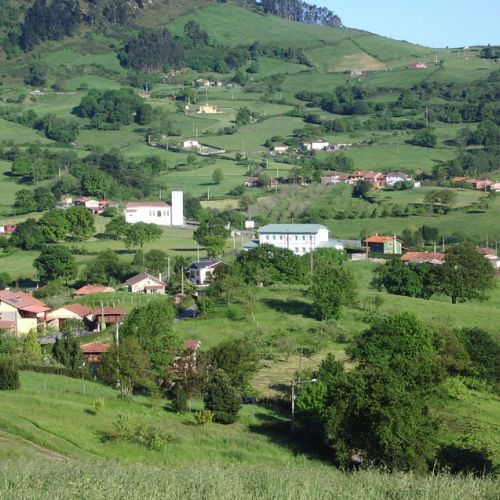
x,y
352,243
291,228
251,244
202,264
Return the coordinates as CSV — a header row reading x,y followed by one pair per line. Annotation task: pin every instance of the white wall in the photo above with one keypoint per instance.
x,y
177,208
299,244
149,215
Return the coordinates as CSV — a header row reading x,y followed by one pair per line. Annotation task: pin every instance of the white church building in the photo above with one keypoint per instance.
x,y
161,213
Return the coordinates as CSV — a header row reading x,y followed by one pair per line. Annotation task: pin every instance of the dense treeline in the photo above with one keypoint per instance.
x,y
52,21
302,12
152,51
98,174
115,107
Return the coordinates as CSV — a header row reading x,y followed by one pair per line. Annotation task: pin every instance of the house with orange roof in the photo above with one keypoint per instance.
x,y
92,352
384,244
22,311
78,312
434,258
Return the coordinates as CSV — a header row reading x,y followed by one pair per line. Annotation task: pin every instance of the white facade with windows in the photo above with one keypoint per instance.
x,y
161,213
299,238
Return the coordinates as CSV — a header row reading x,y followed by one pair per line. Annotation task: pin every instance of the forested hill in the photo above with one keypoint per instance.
x,y
24,25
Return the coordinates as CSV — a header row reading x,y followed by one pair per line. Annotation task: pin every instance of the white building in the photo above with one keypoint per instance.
x,y
392,177
299,238
202,270
190,143
316,145
161,213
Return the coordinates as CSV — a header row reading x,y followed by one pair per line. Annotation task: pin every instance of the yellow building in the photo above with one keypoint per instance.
x,y
23,311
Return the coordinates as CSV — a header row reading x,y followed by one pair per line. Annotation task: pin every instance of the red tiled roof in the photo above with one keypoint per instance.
x,y
486,251
35,309
192,345
79,309
95,347
21,300
380,239
423,257
91,289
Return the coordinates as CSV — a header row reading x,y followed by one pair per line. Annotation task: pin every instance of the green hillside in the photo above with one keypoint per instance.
x,y
51,445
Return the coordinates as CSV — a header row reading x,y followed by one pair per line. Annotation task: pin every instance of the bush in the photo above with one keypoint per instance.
x,y
179,399
204,417
222,398
9,375
99,406
137,430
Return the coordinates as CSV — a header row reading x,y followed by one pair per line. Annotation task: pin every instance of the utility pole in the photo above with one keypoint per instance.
x,y
198,252
168,268
293,386
117,334
182,280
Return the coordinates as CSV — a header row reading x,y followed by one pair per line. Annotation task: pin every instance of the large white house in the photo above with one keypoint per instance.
x,y
318,145
161,213
300,238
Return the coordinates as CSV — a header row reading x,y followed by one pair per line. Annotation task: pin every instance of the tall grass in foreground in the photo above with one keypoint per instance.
x,y
56,479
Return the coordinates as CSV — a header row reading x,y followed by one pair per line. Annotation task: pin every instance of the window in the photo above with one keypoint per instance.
x,y
274,236
158,213
303,249
303,238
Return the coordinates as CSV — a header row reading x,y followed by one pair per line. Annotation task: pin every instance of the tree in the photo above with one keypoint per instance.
x,y
483,351
139,233
9,374
362,189
217,176
27,235
237,358
54,225
179,399
81,223
442,196
32,351
222,398
212,234
151,325
24,202
418,280
67,351
425,138
117,227
44,199
126,366
55,262
105,269
381,408
332,287
465,274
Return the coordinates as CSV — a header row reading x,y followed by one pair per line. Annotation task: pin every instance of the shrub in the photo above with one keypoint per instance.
x,y
222,398
204,417
99,406
9,375
179,399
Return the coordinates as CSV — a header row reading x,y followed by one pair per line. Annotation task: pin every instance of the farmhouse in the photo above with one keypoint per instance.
x,y
375,178
208,108
108,315
92,353
22,311
392,177
92,289
491,255
318,145
495,187
255,182
8,229
161,213
434,258
77,312
202,270
383,244
97,207
145,283
334,178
